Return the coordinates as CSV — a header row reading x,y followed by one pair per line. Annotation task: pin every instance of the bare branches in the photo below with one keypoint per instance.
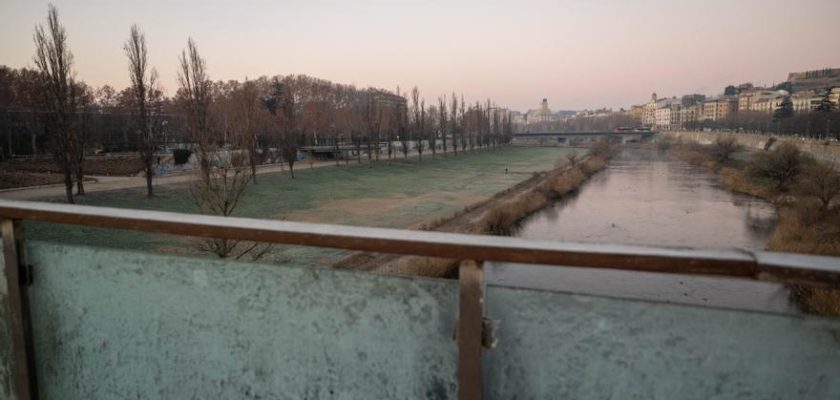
x,y
195,98
146,99
54,62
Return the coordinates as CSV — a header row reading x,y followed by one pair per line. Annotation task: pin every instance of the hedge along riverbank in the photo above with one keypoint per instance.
x,y
803,189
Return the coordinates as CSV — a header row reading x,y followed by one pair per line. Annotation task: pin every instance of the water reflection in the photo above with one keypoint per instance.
x,y
643,198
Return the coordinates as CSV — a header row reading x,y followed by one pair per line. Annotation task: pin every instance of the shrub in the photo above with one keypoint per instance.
x,y
780,166
592,165
181,156
572,159
602,149
558,185
820,301
499,220
822,181
723,148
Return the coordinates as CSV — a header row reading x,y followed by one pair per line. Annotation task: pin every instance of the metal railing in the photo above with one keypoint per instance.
x,y
474,249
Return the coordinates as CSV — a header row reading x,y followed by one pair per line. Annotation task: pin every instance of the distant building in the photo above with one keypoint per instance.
x,y
693,99
668,114
748,97
649,116
719,108
806,101
517,118
691,114
768,102
637,112
540,115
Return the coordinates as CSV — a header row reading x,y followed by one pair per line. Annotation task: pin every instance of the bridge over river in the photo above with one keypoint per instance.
x,y
573,138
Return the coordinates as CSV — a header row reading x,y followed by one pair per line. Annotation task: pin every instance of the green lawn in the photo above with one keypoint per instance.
x,y
403,195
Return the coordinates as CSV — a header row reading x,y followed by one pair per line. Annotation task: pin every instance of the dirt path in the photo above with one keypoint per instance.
x,y
106,183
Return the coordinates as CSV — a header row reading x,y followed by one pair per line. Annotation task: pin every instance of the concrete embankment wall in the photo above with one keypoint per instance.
x,y
821,149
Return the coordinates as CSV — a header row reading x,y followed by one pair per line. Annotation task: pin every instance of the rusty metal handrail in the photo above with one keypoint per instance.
x,y
768,266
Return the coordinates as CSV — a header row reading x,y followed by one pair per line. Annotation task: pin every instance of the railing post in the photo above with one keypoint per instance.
x,y
18,281
469,331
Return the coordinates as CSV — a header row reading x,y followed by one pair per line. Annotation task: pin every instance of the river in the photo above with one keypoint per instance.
x,y
645,198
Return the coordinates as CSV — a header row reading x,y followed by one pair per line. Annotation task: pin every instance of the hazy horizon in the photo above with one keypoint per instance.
x,y
578,55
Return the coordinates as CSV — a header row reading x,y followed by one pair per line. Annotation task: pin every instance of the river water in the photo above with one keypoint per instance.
x,y
644,198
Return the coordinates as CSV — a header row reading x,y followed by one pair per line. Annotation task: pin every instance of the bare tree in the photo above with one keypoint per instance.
x,y
724,147
374,116
463,124
220,195
573,157
821,180
442,120
54,62
222,176
247,119
403,130
146,98
781,165
289,139
453,123
83,99
418,113
194,95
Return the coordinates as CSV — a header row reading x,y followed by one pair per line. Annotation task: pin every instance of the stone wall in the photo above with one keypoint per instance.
x,y
821,149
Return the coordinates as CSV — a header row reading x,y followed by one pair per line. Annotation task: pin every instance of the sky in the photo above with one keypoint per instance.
x,y
577,54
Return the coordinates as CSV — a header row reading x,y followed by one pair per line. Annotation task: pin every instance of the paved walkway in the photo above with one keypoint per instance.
x,y
106,183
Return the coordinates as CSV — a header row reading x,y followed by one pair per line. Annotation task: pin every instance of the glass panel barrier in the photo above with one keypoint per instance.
x,y
120,324
556,344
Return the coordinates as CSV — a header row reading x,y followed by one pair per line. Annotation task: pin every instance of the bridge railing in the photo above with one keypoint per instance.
x,y
471,326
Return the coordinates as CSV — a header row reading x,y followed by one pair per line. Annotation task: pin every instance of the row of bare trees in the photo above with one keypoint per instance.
x,y
268,118
232,127
821,123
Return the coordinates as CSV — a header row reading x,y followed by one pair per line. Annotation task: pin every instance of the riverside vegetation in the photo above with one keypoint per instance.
x,y
497,215
804,190
407,194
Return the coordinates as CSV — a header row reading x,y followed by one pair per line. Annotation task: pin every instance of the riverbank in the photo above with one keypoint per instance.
x,y
803,189
405,194
497,215
821,149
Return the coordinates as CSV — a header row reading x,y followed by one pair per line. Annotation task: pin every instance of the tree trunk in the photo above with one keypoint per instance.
x,y
8,144
80,179
68,182
253,160
34,145
150,172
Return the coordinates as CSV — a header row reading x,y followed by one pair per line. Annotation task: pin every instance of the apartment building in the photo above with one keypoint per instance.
x,y
806,101
719,108
668,114
747,98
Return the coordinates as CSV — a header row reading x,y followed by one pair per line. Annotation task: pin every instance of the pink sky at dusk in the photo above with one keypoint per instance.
x,y
578,54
